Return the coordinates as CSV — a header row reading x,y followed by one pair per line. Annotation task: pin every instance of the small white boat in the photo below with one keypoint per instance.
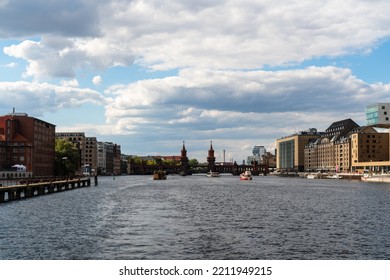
x,y
213,174
312,176
247,175
334,176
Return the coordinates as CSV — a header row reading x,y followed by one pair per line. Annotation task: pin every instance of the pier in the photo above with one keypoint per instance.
x,y
28,190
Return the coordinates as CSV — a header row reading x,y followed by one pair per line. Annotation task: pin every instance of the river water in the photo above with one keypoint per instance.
x,y
195,217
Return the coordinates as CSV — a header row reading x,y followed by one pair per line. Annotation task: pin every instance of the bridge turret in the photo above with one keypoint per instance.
x,y
211,157
183,151
184,161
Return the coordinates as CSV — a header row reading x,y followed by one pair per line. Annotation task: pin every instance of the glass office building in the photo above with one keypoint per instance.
x,y
378,114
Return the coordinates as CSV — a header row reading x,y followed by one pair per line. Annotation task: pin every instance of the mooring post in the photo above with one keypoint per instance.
x,y
28,192
96,181
41,190
17,194
2,194
11,195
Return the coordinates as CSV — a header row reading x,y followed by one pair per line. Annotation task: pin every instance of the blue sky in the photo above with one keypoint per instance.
x,y
149,74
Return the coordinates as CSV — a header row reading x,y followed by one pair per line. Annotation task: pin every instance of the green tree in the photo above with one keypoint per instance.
x,y
151,162
193,162
134,160
67,159
169,162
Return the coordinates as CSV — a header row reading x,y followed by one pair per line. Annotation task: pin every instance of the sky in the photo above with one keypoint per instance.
x,y
150,74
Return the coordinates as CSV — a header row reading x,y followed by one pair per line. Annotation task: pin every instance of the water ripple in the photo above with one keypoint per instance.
x,y
134,217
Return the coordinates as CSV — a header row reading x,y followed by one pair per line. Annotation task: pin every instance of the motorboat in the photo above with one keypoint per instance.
x,y
213,174
247,175
312,176
334,176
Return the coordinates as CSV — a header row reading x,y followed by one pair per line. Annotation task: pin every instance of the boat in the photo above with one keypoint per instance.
x,y
213,174
159,175
312,176
247,175
334,176
385,178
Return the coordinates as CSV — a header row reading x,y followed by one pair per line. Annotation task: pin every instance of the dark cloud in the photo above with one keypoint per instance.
x,y
36,17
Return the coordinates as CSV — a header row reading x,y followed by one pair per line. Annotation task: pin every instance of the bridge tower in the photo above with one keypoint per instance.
x,y
211,158
184,160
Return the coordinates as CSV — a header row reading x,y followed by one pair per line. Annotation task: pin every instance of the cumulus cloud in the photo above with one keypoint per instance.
x,y
210,35
38,98
35,17
61,57
245,34
231,103
70,83
97,80
308,89
219,49
10,65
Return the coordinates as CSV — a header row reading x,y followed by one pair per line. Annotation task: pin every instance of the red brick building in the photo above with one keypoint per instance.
x,y
27,141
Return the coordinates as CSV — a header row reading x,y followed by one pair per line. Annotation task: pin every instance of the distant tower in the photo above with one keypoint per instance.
x,y
184,160
211,157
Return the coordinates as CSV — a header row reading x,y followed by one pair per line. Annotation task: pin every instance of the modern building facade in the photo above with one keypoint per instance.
x,y
257,155
378,114
290,150
29,142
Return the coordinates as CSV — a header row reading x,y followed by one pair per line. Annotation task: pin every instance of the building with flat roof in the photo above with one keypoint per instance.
x,y
109,158
27,141
257,155
370,150
378,115
290,150
91,159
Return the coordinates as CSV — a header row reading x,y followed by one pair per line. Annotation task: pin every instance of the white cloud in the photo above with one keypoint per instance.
x,y
61,57
306,90
70,83
216,35
38,98
218,48
31,18
257,106
97,80
10,65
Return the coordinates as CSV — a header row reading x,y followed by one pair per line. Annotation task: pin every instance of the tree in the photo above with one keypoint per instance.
x,y
67,159
193,162
151,162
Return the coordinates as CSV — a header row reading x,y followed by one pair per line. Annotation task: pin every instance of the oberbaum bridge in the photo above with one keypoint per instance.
x,y
185,169
32,189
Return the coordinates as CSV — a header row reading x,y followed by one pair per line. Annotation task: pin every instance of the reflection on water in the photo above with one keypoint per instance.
x,y
195,217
